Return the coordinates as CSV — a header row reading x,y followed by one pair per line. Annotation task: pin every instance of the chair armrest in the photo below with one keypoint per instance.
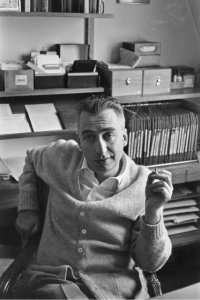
x,y
153,284
10,276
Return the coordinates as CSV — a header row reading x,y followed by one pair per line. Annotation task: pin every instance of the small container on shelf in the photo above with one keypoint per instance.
x,y
18,80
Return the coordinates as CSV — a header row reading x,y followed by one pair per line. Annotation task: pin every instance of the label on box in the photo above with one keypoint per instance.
x,y
21,80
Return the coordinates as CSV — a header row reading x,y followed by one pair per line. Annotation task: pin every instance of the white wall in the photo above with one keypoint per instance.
x,y
167,21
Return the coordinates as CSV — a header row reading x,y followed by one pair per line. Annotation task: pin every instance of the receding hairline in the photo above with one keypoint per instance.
x,y
95,104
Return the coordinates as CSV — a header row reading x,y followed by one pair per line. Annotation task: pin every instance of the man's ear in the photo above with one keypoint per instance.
x,y
125,137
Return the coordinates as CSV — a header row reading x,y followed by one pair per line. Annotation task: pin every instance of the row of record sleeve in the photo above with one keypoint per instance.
x,y
161,132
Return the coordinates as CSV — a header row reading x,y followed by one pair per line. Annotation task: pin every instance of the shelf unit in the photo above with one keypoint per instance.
x,y
88,22
181,172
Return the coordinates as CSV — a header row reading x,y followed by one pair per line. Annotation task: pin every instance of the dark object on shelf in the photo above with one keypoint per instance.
x,y
82,74
83,66
83,80
1,80
49,81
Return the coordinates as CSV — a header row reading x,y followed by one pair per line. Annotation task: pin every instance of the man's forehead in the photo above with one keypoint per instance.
x,y
105,120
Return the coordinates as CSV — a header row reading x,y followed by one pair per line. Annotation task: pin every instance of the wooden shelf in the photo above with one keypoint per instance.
x,y
47,92
182,171
173,95
62,133
53,14
184,239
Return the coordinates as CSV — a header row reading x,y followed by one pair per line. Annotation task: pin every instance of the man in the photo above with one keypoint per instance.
x,y
104,215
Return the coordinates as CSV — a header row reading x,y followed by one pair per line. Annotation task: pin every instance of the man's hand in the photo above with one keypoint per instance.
x,y
27,223
159,190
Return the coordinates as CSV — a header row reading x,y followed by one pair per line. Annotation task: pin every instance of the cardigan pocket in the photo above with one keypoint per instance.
x,y
128,284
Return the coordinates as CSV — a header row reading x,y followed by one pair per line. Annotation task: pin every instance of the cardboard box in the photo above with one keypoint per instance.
x,y
149,52
82,80
18,80
143,48
121,82
49,81
156,80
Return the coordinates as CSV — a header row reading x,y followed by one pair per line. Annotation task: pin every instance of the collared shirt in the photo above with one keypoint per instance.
x,y
91,190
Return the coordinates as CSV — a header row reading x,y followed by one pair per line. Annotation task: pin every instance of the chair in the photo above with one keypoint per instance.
x,y
13,272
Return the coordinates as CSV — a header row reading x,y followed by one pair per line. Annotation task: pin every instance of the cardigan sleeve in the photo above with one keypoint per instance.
x,y
28,199
151,246
47,162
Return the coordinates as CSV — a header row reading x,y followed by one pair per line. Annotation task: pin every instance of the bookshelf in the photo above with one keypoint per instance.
x,y
181,172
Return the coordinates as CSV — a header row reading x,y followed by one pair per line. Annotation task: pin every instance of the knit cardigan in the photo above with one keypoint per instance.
x,y
103,241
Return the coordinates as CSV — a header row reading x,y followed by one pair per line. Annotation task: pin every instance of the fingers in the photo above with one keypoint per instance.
x,y
161,175
160,182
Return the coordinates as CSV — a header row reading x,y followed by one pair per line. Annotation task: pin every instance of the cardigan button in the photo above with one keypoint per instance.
x,y
80,250
82,213
84,231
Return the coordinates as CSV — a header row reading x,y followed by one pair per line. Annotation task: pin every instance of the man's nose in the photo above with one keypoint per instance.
x,y
101,146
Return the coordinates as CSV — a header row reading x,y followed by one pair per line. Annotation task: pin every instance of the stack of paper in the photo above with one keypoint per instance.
x,y
12,123
43,117
182,212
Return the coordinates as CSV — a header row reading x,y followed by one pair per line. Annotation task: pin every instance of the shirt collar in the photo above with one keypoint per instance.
x,y
119,178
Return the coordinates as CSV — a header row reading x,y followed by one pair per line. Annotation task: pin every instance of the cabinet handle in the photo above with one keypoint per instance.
x,y
158,80
128,81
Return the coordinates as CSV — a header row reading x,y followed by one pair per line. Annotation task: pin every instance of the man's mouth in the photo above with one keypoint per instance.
x,y
102,160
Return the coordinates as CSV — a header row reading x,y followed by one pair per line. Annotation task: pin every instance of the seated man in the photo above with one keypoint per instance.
x,y
104,218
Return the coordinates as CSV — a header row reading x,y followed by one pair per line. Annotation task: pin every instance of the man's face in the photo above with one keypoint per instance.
x,y
102,138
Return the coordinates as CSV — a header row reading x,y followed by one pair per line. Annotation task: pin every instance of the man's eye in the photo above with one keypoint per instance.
x,y
89,138
109,136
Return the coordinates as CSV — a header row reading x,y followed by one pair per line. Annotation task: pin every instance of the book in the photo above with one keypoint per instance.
x,y
35,5
43,117
45,5
27,5
86,6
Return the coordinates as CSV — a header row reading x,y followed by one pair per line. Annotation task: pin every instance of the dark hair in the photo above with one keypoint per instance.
x,y
97,103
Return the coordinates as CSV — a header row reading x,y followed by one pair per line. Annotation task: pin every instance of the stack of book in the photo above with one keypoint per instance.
x,y
70,6
181,214
161,132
